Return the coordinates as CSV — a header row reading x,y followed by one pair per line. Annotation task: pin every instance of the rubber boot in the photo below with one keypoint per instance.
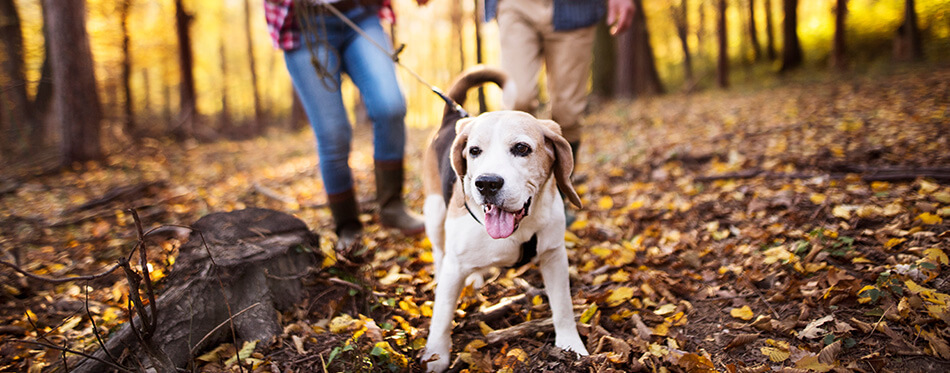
x,y
346,216
392,210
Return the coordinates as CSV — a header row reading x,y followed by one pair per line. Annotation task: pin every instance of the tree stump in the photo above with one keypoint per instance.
x,y
256,256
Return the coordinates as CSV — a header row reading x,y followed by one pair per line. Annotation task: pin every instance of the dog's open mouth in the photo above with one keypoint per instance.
x,y
501,223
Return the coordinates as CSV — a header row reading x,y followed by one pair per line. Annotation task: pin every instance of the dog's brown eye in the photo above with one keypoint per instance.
x,y
520,149
474,151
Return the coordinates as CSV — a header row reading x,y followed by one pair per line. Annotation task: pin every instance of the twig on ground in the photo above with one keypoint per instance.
x,y
221,325
60,280
80,353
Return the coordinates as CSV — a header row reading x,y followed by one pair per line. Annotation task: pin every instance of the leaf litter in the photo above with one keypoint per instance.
x,y
798,228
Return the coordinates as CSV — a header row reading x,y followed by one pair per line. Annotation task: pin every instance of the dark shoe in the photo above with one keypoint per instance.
x,y
346,216
392,210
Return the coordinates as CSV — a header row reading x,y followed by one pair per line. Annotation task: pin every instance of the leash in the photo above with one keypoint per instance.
x,y
395,57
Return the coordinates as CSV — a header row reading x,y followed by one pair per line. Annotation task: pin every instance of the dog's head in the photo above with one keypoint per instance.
x,y
504,158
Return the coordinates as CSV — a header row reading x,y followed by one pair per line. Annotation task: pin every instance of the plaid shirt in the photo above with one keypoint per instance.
x,y
281,26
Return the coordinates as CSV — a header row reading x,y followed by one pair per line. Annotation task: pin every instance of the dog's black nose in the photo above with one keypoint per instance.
x,y
489,184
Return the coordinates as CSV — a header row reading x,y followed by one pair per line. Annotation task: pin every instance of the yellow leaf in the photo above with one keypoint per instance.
x,y
474,345
929,219
775,354
842,211
343,323
578,224
937,255
818,198
426,257
661,330
605,203
623,276
665,309
927,187
811,364
619,295
485,329
894,242
517,353
588,313
744,313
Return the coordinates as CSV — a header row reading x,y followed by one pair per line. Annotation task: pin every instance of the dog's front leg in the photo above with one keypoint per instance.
x,y
554,269
447,292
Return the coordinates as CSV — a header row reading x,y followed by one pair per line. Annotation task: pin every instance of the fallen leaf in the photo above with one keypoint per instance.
x,y
744,313
812,330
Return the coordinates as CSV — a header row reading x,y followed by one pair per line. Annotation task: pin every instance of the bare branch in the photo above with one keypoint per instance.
x,y
221,325
60,280
64,349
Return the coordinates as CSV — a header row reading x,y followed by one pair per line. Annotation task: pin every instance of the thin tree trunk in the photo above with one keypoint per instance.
x,y
188,108
226,125
791,50
753,33
298,117
769,35
40,134
838,49
680,20
479,10
129,123
258,120
604,66
147,89
455,13
20,118
701,30
908,46
76,100
722,66
636,67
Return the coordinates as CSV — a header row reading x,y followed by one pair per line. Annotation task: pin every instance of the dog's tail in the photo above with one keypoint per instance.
x,y
473,77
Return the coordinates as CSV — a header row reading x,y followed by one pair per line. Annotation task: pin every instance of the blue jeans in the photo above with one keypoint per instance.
x,y
374,74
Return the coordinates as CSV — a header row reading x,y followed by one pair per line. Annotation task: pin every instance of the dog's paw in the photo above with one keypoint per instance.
x,y
435,361
571,343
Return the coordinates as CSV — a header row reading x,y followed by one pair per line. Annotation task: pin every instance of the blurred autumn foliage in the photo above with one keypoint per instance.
x,y
794,222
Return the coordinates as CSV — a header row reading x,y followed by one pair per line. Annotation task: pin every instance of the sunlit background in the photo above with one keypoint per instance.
x,y
440,42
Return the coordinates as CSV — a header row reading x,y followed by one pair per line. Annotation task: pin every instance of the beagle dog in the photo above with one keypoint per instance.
x,y
491,185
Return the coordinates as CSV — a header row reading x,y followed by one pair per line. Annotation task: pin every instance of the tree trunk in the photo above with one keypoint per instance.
x,y
636,66
479,16
188,108
226,127
41,131
124,6
258,125
722,66
791,49
249,260
298,117
769,36
701,30
680,20
838,49
455,14
907,45
753,33
604,66
76,102
17,111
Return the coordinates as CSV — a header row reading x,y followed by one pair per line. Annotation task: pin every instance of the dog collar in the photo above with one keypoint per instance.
x,y
472,213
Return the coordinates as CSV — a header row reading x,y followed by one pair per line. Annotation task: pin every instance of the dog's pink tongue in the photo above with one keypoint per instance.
x,y
499,223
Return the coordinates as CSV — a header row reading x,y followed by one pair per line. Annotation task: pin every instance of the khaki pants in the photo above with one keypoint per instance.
x,y
528,39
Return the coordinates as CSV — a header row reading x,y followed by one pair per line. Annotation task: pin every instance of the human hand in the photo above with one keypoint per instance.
x,y
619,15
386,12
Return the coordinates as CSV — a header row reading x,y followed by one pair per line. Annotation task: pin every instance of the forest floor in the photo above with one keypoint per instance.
x,y
796,228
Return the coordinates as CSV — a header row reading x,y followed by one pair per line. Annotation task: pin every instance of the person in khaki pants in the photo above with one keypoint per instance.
x,y
559,34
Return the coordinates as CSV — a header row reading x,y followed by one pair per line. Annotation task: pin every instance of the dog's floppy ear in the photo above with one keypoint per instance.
x,y
462,129
563,160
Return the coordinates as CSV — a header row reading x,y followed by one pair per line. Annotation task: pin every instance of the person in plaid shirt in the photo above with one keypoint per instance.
x,y
319,47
